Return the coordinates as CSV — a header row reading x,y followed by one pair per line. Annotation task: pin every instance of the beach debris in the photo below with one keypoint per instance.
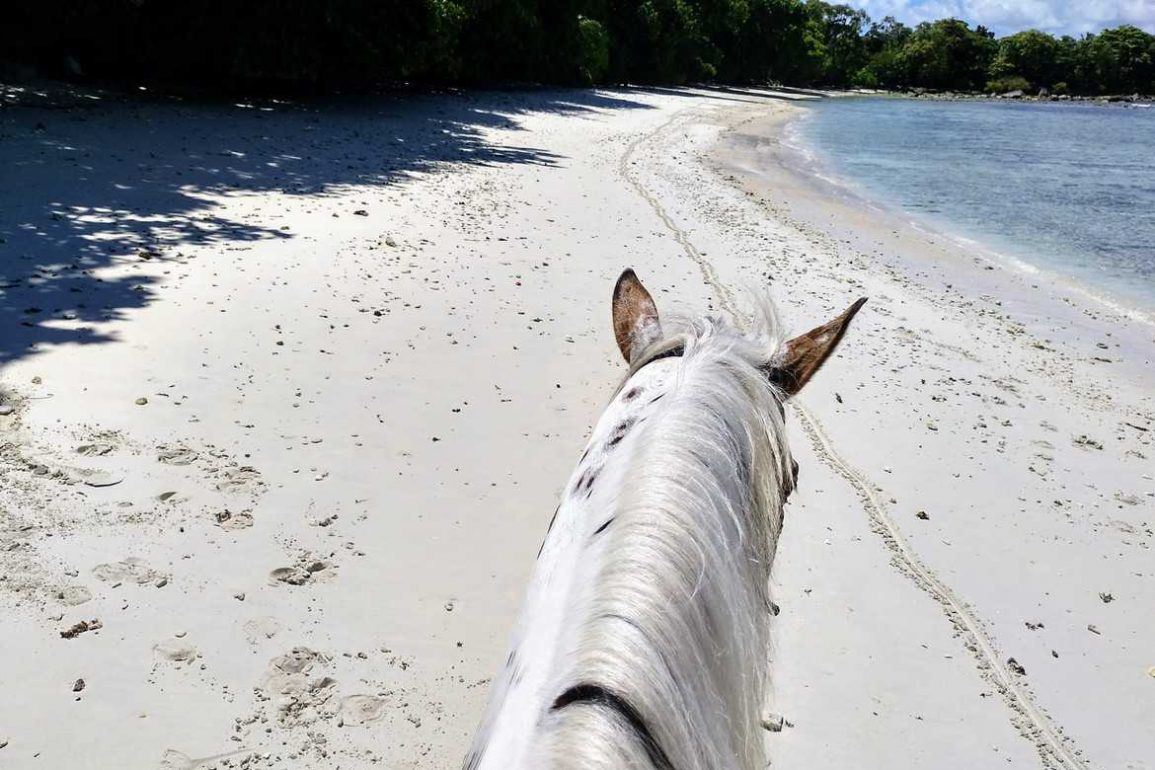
x,y
1106,597
1015,666
97,449
1086,442
1094,629
922,515
773,722
176,650
361,213
1034,626
78,685
141,401
79,628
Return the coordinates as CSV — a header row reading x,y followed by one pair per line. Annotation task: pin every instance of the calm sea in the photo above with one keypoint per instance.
x,y
1069,188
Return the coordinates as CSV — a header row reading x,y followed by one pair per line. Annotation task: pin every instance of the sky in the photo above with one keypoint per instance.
x,y
1059,17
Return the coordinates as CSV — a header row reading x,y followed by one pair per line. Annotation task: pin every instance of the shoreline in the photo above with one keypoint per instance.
x,y
297,392
794,156
766,163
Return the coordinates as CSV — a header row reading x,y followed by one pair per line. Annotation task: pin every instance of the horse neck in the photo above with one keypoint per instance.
x,y
651,586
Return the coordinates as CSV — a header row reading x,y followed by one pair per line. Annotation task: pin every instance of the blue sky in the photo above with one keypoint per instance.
x,y
1060,17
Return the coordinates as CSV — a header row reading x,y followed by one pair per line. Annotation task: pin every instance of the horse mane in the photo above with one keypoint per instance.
x,y
662,645
679,623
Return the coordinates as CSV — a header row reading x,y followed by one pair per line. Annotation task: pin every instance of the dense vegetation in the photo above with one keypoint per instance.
x,y
295,44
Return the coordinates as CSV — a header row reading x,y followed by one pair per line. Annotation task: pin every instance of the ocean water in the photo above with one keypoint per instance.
x,y
1068,188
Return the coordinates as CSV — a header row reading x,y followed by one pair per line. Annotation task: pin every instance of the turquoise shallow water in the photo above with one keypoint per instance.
x,y
1068,188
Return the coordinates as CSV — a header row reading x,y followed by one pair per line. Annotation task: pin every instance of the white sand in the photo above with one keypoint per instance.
x,y
349,518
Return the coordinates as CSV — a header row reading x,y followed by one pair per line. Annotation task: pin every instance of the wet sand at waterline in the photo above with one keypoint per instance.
x,y
290,394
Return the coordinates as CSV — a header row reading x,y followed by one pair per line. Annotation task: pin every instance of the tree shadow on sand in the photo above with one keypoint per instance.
x,y
90,190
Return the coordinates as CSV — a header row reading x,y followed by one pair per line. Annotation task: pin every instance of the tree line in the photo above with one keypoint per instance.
x,y
356,44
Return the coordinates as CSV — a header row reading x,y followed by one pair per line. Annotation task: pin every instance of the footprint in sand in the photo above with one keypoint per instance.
x,y
177,760
74,595
100,478
361,709
308,569
300,697
240,480
226,519
259,629
130,570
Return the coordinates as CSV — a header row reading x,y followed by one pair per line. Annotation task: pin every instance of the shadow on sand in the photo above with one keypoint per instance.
x,y
89,188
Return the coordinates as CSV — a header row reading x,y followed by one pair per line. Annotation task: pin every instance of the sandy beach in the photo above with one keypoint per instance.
x,y
288,394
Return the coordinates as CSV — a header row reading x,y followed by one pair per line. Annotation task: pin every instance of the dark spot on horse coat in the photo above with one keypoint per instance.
x,y
632,393
602,528
601,697
620,432
590,481
656,398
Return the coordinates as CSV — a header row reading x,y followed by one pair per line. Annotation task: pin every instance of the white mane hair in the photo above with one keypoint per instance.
x,y
644,641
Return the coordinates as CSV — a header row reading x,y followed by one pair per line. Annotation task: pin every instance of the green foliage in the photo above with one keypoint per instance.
x,y
1030,55
358,44
947,54
595,51
1120,60
1002,85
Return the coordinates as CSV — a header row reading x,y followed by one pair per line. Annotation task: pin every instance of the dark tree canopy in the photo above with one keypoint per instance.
x,y
356,44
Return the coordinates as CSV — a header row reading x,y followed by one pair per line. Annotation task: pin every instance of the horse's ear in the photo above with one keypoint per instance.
x,y
635,315
802,356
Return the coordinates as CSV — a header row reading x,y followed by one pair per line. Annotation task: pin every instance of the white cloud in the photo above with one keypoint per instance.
x,y
1060,17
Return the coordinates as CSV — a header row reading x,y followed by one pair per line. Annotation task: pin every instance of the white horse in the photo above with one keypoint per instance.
x,y
643,639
